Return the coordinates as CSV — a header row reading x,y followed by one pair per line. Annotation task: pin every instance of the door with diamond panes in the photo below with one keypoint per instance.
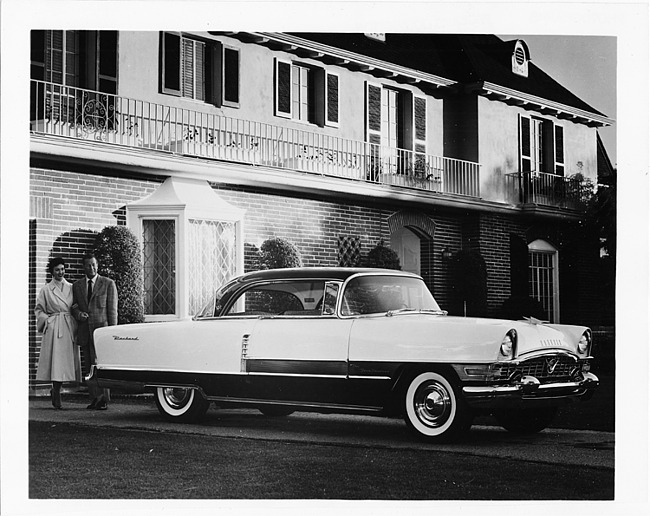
x,y
159,265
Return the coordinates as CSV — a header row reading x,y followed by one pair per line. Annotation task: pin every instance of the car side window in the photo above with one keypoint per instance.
x,y
292,298
370,296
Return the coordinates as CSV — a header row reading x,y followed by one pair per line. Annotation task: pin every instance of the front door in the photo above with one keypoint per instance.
x,y
407,246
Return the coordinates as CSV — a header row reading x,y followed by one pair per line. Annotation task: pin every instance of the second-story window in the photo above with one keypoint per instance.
x,y
201,70
541,146
396,126
307,93
85,59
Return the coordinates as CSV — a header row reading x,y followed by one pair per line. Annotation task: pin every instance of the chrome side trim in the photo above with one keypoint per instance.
x,y
304,405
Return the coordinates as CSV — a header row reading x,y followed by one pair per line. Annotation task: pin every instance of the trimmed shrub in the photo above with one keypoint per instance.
x,y
278,253
518,307
383,257
118,252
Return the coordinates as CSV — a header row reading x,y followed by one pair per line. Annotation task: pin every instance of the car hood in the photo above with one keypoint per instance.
x,y
428,337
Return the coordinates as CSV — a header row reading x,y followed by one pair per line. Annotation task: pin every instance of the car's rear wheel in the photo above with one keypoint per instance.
x,y
275,410
180,404
434,408
526,421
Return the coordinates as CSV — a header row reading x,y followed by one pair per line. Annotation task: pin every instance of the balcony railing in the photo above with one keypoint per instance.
x,y
545,190
83,114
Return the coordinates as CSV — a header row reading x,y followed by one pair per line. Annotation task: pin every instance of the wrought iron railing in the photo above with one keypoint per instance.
x,y
544,189
84,114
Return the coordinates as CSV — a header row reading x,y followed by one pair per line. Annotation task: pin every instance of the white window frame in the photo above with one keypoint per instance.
x,y
543,247
137,226
300,79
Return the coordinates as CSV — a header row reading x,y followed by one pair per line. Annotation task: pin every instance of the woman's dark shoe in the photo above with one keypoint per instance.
x,y
102,405
93,404
56,398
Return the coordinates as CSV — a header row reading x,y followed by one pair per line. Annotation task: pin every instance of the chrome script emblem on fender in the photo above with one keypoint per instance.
x,y
551,364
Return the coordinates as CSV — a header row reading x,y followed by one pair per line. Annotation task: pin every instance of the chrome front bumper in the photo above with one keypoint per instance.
x,y
530,388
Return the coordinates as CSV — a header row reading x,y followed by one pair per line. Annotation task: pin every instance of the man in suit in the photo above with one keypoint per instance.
x,y
95,305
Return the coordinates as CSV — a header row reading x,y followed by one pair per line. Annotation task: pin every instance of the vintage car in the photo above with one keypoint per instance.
x,y
365,341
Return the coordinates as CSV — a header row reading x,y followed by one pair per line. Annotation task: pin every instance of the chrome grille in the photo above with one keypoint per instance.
x,y
546,367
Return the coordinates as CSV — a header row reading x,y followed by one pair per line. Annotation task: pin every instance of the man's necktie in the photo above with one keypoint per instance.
x,y
90,289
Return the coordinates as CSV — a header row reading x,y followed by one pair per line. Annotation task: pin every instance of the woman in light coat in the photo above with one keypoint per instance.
x,y
59,359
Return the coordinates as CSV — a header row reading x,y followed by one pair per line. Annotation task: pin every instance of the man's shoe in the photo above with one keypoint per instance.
x,y
102,405
93,404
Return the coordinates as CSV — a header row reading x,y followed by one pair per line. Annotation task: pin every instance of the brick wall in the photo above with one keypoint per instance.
x,y
313,225
67,210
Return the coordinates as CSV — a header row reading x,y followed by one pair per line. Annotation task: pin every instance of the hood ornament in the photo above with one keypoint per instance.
x,y
533,320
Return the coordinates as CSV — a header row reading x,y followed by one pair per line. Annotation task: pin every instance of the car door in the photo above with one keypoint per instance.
x,y
300,358
299,352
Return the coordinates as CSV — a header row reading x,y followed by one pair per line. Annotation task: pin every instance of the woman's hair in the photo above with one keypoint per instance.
x,y
54,262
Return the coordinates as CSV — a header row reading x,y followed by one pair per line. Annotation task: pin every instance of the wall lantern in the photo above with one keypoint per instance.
x,y
447,254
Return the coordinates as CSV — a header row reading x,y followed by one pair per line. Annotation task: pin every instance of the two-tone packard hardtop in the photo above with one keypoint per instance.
x,y
369,341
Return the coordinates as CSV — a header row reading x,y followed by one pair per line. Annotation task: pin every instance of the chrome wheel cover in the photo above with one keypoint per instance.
x,y
432,404
177,398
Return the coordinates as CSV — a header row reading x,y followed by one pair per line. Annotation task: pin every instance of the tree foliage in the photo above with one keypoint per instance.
x,y
119,254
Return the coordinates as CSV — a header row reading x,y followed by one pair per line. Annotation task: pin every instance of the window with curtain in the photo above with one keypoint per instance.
x,y
212,261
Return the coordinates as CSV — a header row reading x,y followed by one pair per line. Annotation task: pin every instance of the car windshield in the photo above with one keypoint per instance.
x,y
381,294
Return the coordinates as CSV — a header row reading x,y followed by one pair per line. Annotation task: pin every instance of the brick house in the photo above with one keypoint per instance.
x,y
206,144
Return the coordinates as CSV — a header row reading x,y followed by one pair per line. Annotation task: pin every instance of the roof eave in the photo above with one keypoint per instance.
x,y
543,105
337,56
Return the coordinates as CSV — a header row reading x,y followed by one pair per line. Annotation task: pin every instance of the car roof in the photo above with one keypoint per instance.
x,y
325,273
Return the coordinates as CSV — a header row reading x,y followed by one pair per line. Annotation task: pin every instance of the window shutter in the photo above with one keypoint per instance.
x,y
37,47
199,70
332,99
213,63
188,68
231,76
170,63
420,122
559,150
373,113
54,56
282,88
524,143
107,61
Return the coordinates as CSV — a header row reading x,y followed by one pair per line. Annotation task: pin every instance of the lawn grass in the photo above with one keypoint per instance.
x,y
134,464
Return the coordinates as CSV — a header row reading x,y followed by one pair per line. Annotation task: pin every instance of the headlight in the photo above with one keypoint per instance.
x,y
584,343
508,345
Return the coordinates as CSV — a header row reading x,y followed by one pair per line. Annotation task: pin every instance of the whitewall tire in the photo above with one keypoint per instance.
x,y
433,408
180,404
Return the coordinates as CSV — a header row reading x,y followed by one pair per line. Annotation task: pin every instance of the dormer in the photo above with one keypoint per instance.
x,y
520,58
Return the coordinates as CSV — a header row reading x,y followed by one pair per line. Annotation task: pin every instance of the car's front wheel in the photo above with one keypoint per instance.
x,y
526,421
434,408
180,404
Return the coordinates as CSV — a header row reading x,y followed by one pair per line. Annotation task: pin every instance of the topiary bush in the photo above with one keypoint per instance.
x,y
120,258
383,257
518,307
278,253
